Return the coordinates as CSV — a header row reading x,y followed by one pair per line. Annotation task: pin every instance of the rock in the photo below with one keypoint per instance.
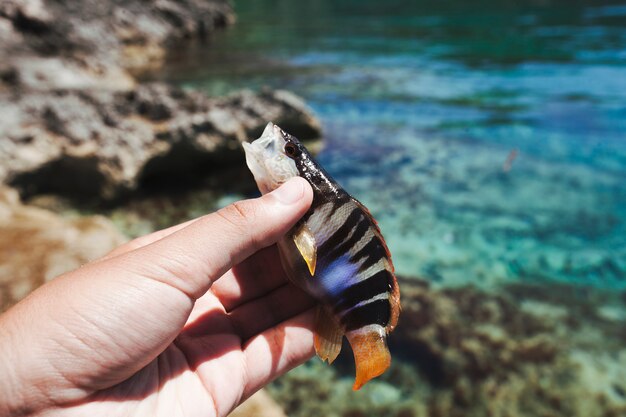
x,y
467,352
103,144
38,245
462,332
96,44
286,109
75,121
316,389
260,404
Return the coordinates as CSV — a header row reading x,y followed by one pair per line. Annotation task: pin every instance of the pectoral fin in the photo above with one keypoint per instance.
x,y
305,242
328,335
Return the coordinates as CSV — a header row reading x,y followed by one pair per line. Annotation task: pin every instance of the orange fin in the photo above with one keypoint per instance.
x,y
328,335
371,354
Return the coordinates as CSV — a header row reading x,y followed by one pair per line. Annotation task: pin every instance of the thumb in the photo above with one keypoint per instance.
x,y
195,256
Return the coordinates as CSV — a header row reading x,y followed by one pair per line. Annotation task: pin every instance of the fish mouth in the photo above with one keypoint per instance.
x,y
271,142
271,130
266,159
272,136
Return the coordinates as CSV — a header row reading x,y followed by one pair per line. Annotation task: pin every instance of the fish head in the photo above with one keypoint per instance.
x,y
268,158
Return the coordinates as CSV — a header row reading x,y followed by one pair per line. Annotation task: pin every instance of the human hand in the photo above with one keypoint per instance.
x,y
188,321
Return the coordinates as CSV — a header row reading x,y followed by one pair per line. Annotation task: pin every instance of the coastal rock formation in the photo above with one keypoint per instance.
x,y
37,245
75,119
66,44
102,144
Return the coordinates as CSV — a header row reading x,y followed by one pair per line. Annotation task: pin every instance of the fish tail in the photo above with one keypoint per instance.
x,y
371,355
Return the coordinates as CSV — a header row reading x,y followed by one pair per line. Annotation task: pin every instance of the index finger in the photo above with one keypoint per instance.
x,y
146,240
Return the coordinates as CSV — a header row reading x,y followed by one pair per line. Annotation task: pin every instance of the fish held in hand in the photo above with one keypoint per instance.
x,y
336,253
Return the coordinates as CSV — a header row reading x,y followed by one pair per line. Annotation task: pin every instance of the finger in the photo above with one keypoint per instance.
x,y
256,276
277,350
190,259
258,315
142,241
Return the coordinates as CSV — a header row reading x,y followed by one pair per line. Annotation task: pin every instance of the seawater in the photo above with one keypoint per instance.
x,y
488,138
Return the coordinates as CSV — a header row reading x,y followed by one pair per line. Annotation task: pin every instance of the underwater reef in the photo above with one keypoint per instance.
x,y
469,352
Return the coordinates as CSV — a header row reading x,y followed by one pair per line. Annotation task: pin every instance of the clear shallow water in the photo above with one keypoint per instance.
x,y
423,104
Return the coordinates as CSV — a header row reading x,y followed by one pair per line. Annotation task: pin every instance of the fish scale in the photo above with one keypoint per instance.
x,y
336,253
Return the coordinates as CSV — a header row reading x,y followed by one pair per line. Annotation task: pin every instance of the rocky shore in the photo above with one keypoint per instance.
x,y
78,121
104,144
91,44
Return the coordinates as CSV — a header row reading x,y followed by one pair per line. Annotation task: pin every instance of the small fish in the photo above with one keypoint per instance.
x,y
508,163
336,253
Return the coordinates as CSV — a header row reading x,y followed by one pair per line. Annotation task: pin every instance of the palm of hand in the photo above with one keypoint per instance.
x,y
250,327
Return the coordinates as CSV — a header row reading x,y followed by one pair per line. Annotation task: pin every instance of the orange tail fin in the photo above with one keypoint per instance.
x,y
371,354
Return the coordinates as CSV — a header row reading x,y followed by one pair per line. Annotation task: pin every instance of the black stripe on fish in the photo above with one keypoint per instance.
x,y
376,312
319,199
338,202
339,212
378,283
316,203
373,250
340,234
368,262
358,232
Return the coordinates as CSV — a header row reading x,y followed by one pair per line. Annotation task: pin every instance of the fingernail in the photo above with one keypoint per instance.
x,y
289,192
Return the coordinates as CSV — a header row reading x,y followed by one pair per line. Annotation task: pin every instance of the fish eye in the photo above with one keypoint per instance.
x,y
291,150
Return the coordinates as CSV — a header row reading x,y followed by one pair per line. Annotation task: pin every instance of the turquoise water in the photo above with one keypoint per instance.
x,y
488,138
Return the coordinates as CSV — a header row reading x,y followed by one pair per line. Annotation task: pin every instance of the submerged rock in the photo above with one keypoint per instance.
x,y
37,245
465,352
462,332
103,144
